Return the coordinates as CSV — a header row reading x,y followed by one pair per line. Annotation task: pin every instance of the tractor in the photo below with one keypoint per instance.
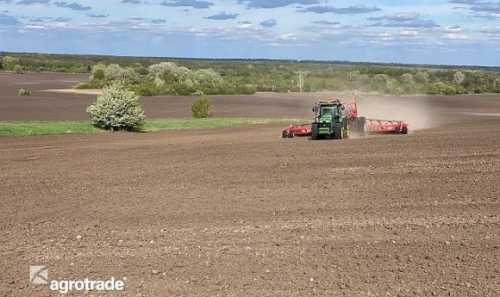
x,y
330,120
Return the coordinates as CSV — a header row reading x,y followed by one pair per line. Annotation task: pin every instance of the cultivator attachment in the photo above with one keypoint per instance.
x,y
297,130
386,127
332,115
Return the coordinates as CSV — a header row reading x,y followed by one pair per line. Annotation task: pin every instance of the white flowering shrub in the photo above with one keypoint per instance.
x,y
117,109
207,77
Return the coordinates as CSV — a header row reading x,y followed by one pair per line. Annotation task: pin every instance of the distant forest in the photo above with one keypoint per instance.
x,y
158,76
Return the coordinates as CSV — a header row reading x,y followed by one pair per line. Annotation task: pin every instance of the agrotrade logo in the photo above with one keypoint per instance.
x,y
39,275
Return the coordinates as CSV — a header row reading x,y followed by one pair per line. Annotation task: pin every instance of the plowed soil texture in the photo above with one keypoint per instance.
x,y
242,212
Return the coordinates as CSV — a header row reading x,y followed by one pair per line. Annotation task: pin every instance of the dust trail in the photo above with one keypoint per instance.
x,y
415,110
480,114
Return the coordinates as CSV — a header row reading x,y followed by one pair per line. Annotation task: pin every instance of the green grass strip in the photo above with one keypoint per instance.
x,y
30,128
33,128
180,124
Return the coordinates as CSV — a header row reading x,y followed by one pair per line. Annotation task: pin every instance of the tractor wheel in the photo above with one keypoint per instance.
x,y
284,134
314,132
345,129
337,132
346,133
405,130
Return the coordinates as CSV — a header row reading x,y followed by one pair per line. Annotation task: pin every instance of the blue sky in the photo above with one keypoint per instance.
x,y
434,32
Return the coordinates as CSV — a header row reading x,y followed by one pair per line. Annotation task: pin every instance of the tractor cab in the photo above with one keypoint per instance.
x,y
328,110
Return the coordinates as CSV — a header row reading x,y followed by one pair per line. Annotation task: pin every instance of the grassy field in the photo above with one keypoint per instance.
x,y
32,128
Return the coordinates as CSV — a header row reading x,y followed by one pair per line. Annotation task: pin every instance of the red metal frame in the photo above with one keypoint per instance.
x,y
297,130
386,127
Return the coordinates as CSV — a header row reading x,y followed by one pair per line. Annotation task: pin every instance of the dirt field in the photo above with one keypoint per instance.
x,y
241,212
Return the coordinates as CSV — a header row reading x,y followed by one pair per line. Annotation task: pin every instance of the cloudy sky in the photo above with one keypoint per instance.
x,y
405,31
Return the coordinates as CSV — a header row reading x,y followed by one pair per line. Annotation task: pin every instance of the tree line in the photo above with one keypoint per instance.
x,y
158,76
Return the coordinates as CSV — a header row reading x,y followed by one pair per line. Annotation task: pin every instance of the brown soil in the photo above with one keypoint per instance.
x,y
241,212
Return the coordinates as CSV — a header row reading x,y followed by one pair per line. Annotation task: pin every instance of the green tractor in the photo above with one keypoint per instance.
x,y
330,120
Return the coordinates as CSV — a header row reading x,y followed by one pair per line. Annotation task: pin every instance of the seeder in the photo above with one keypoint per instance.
x,y
336,120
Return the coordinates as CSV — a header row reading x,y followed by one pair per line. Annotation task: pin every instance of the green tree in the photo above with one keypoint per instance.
x,y
496,85
407,78
207,77
440,88
422,77
380,82
8,63
114,72
408,83
394,87
167,72
98,72
362,82
18,69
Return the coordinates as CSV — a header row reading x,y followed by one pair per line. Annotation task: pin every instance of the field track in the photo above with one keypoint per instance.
x,y
241,212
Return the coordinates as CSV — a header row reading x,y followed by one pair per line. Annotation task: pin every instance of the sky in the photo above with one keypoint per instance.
x,y
460,32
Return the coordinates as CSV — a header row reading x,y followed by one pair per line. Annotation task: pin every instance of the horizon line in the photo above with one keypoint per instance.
x,y
292,60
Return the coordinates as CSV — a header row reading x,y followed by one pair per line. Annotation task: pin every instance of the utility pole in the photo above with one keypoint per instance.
x,y
301,81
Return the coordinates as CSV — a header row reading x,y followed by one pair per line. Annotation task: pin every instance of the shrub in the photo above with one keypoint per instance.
x,y
24,92
408,84
93,84
226,88
380,82
441,88
362,82
247,89
117,109
18,69
168,72
114,72
148,88
394,87
130,76
140,69
198,93
422,77
183,89
98,74
207,77
202,108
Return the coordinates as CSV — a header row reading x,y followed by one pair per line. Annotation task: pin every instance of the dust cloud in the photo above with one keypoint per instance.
x,y
415,110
